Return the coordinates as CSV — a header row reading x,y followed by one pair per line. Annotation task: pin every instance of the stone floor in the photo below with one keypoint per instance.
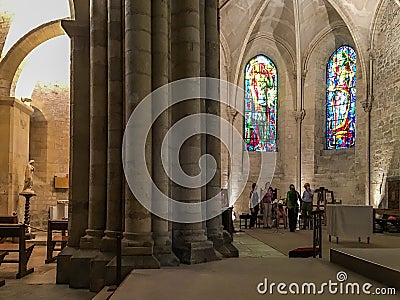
x,y
249,246
41,284
237,279
263,254
283,240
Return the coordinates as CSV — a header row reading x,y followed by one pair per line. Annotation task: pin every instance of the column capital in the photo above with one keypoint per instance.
x,y
299,115
75,28
371,54
367,104
232,113
304,74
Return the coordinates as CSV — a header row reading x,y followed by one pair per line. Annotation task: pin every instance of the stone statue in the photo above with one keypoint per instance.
x,y
29,177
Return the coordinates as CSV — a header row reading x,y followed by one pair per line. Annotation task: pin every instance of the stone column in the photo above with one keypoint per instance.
x,y
80,118
221,240
138,242
299,112
78,31
98,125
160,76
190,243
115,128
203,109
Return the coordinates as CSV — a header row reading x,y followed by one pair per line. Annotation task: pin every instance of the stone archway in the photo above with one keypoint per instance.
x,y
15,128
9,65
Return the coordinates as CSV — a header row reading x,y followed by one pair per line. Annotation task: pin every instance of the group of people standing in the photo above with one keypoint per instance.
x,y
294,202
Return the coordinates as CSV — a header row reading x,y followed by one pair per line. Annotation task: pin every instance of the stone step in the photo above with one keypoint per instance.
x,y
104,294
382,265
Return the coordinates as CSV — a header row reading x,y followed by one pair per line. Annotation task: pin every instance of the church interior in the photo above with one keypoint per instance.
x,y
139,140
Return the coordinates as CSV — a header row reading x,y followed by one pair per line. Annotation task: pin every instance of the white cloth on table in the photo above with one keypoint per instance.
x,y
349,221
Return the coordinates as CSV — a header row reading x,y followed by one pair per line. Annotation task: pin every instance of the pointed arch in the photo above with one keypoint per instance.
x,y
261,101
341,99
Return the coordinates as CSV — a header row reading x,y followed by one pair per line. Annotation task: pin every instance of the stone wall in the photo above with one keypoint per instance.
x,y
334,169
385,114
284,171
273,34
14,132
49,147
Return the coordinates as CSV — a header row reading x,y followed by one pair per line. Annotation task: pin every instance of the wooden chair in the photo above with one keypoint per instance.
x,y
322,201
24,253
244,217
277,217
52,240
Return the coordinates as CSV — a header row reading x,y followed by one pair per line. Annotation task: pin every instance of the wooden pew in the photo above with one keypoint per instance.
x,y
2,255
8,220
61,225
24,253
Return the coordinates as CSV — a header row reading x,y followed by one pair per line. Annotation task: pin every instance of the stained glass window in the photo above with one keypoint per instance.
x,y
341,99
261,95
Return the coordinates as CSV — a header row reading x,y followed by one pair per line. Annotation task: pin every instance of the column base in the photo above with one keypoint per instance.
x,y
195,252
216,236
192,247
137,251
92,239
228,250
167,259
63,265
80,268
222,241
128,263
163,249
109,241
111,271
137,244
231,250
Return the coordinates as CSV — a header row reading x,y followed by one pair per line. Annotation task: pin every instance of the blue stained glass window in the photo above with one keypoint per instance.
x,y
341,99
261,96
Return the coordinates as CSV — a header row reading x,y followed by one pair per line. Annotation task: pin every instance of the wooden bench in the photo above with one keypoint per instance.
x,y
2,255
24,253
8,220
52,240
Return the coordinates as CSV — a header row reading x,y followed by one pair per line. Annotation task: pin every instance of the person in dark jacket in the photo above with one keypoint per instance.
x,y
254,205
292,198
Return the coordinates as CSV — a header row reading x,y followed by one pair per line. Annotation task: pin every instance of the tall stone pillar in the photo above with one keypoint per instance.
x,y
221,240
138,241
115,128
98,126
78,31
160,76
80,119
190,242
203,109
213,147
